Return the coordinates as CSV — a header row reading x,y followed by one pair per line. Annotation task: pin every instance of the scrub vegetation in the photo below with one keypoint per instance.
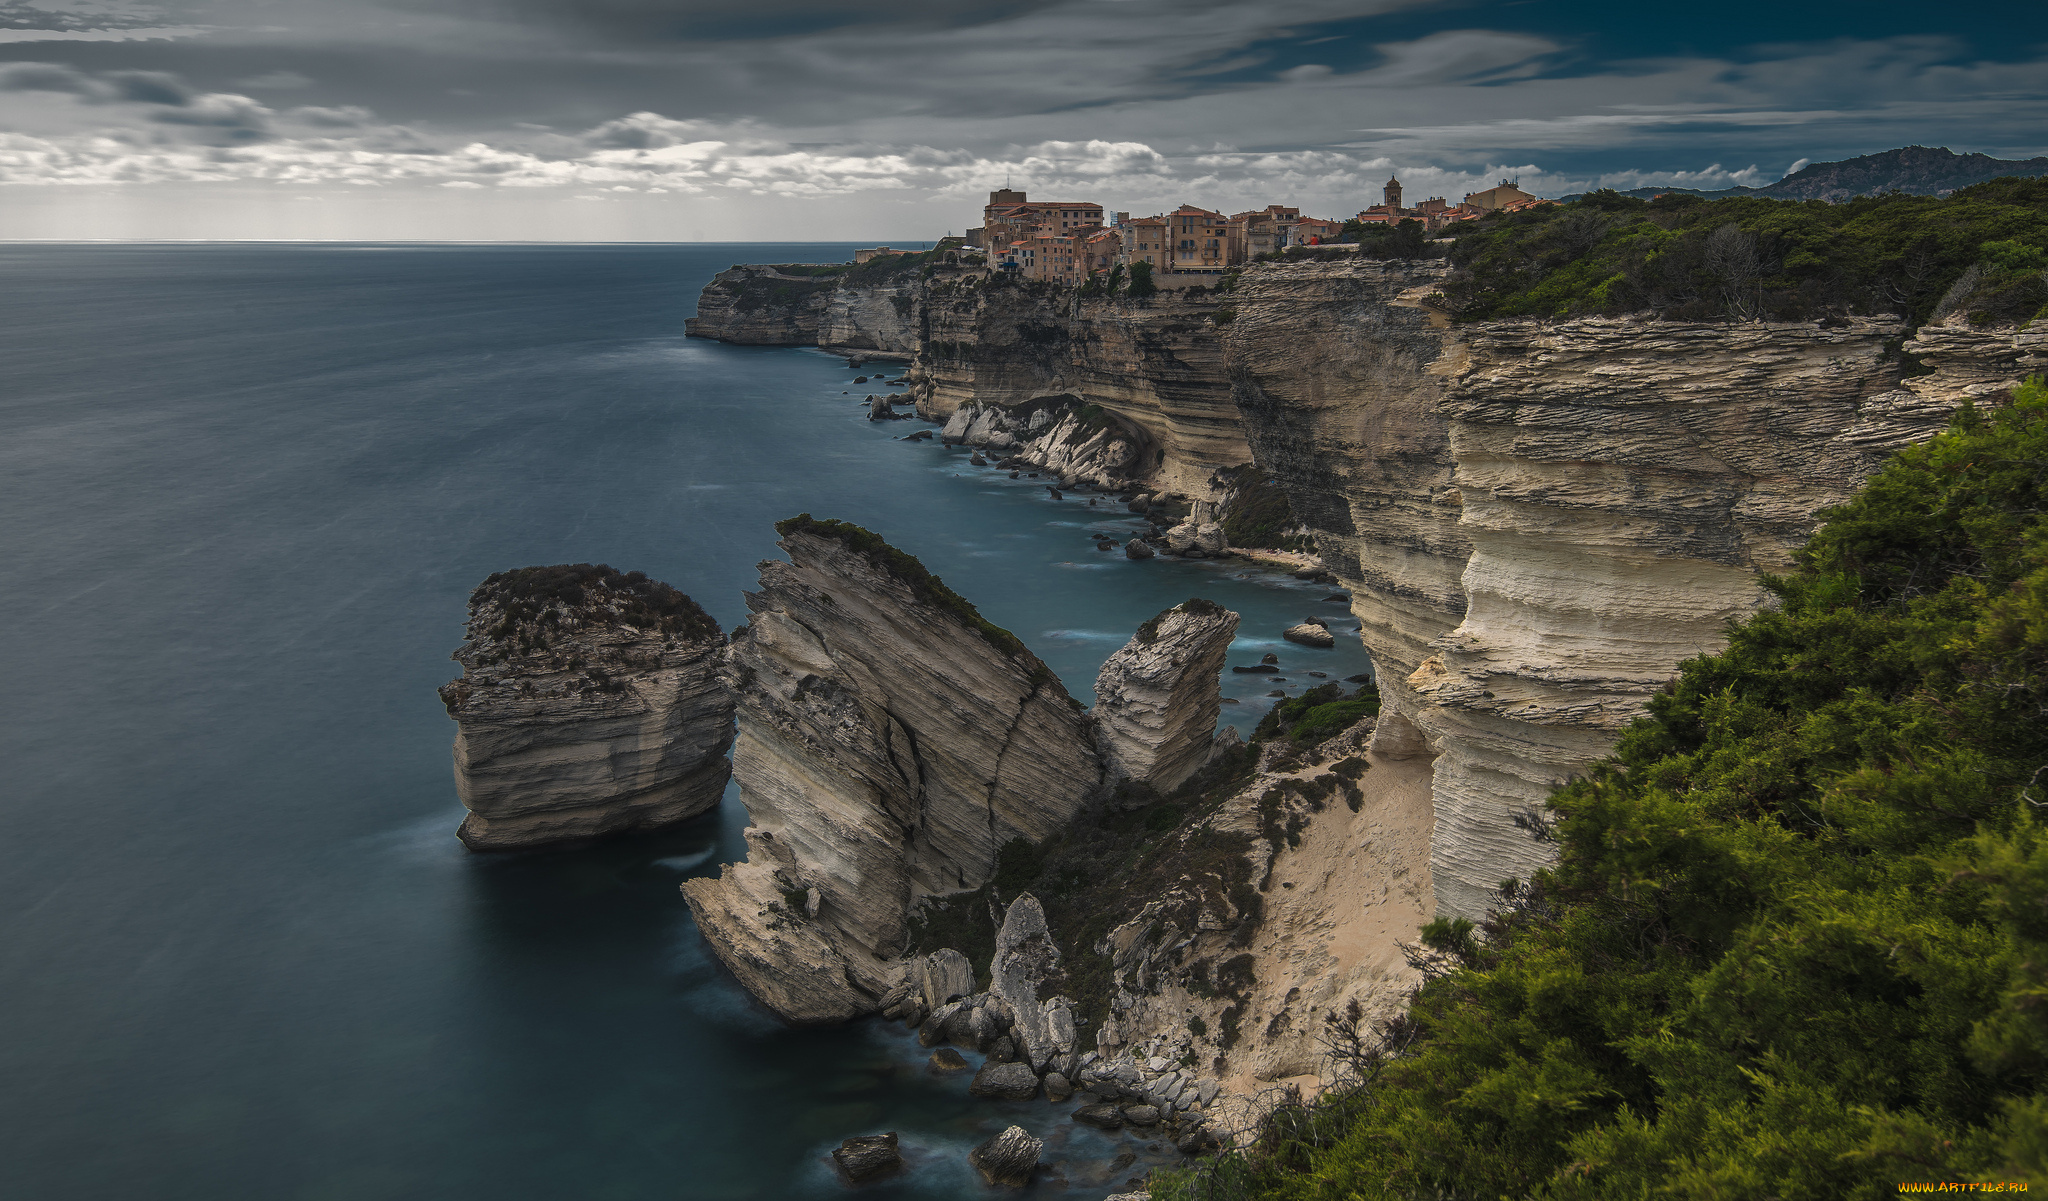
x,y
1980,251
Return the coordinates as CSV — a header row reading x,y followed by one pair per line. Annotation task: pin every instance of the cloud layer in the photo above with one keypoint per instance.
x,y
920,104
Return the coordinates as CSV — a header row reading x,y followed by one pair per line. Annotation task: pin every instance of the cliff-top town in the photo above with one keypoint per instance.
x,y
1069,241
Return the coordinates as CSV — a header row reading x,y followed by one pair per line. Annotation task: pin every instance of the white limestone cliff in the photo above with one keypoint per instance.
x,y
1538,521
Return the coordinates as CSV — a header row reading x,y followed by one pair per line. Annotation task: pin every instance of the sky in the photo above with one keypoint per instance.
x,y
890,120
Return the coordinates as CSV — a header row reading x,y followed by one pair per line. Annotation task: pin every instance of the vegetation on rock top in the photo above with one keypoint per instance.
x,y
1795,943
1194,606
905,568
595,594
1980,251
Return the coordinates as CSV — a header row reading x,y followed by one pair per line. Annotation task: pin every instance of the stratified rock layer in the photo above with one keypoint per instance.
x,y
891,741
1156,364
589,704
760,305
1157,699
1539,521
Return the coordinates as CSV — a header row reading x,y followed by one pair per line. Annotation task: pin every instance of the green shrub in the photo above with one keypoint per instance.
x,y
1753,257
1323,721
530,601
1141,284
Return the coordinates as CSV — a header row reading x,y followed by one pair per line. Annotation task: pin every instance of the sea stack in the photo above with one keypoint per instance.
x,y
891,741
590,703
1157,699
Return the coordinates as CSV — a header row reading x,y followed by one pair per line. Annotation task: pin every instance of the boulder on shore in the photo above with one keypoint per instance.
x,y
868,1156
1310,634
1005,1082
1190,536
1008,1158
946,1061
942,977
1101,1114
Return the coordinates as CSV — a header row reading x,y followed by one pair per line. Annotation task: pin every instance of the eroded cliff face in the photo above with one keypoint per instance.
x,y
890,742
1539,521
756,304
589,704
1290,912
1156,364
884,320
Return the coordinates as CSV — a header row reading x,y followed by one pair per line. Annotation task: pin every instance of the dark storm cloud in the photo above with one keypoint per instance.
x,y
692,21
135,87
1143,97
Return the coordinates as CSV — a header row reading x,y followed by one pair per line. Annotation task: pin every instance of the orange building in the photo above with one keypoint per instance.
x,y
1145,241
1099,250
1495,199
1311,231
1198,238
1262,231
1008,215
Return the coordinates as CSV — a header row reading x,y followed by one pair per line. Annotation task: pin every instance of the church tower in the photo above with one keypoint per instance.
x,y
1393,193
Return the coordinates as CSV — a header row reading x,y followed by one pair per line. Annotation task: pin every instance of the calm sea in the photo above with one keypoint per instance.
x,y
245,491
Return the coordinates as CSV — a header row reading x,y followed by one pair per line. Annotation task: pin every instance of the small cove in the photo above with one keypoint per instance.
x,y
250,487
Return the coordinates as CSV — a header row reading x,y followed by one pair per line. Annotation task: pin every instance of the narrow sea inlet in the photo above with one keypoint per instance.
x,y
247,489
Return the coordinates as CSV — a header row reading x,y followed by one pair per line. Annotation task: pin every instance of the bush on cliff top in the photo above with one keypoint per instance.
x,y
1795,943
600,594
927,587
1745,258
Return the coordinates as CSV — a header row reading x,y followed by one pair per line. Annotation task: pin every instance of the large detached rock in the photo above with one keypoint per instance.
x,y
1025,959
868,1156
589,703
1008,1158
891,741
1157,699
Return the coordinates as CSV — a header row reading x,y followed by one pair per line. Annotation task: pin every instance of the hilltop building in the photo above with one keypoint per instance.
x,y
1009,216
1507,196
1199,239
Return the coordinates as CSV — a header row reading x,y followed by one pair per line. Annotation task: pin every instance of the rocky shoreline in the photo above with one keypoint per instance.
x,y
1533,523
893,748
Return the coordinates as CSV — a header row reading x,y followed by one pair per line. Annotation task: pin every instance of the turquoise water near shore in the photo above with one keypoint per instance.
x,y
247,489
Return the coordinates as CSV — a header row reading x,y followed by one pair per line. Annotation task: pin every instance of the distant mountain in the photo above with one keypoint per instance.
x,y
1921,170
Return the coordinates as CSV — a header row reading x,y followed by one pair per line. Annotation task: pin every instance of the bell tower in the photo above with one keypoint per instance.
x,y
1393,193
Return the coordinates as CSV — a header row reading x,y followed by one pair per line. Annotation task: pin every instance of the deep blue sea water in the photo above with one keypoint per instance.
x,y
244,492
